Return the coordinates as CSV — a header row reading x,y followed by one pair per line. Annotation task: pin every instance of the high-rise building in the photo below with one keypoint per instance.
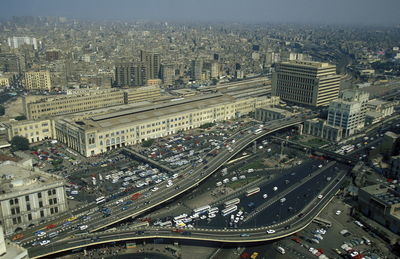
x,y
130,74
215,68
16,42
348,112
11,63
37,80
151,61
197,69
167,74
308,83
52,55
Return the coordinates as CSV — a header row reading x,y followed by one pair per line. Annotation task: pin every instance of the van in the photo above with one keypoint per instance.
x,y
53,234
280,250
366,240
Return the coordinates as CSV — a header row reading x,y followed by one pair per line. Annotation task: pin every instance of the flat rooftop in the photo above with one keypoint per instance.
x,y
22,177
152,111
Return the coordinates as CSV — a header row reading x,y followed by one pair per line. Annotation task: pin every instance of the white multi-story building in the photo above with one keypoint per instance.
x,y
16,42
28,196
349,111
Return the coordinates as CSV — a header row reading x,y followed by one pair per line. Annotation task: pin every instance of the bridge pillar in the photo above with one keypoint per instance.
x,y
255,147
300,128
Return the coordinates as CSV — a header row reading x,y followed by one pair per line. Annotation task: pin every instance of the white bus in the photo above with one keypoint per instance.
x,y
232,202
229,210
166,224
177,218
202,209
257,131
100,200
252,191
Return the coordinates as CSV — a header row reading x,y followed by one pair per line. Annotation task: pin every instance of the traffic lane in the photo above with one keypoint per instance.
x,y
296,200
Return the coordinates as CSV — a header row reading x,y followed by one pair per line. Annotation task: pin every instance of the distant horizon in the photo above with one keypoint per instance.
x,y
318,12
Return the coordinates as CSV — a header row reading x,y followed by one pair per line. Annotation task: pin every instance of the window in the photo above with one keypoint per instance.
x,y
39,195
28,207
27,198
49,192
53,191
51,201
29,216
54,200
40,204
41,213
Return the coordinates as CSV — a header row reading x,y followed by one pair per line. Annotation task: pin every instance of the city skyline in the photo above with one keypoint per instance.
x,y
364,12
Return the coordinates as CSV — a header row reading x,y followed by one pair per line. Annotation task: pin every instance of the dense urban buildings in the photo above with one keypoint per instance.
x,y
37,80
306,82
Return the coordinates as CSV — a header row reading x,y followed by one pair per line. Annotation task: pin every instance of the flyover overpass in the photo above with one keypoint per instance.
x,y
250,235
186,183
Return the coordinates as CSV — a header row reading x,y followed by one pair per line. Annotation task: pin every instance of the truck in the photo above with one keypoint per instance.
x,y
136,196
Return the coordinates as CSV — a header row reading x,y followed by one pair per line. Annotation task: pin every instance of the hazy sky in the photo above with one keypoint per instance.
x,y
300,11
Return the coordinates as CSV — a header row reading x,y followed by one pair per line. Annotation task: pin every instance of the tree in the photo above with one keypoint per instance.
x,y
147,143
19,143
20,118
2,110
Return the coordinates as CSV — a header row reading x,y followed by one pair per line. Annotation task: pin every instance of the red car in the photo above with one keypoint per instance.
x,y
51,226
177,230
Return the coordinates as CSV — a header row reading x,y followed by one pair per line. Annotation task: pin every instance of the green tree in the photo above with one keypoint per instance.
x,y
147,143
20,118
19,143
2,110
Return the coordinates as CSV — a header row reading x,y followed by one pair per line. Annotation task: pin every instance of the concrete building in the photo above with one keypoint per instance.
x,y
271,113
395,167
215,70
383,107
52,55
11,63
152,62
33,130
389,143
320,128
130,74
306,82
10,250
348,112
196,69
168,74
140,94
381,204
28,195
101,133
38,107
37,80
4,81
16,42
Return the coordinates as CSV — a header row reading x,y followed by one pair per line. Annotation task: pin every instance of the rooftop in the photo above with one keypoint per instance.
x,y
23,177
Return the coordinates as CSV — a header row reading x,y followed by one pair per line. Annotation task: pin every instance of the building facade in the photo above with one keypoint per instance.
x,y
306,82
349,111
270,113
130,74
29,196
35,108
102,133
37,80
196,69
11,63
168,74
33,130
16,42
320,128
152,62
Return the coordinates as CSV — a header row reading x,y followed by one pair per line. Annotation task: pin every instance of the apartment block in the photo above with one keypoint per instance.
x,y
37,80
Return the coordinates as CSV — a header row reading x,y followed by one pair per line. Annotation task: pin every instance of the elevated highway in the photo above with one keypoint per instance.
x,y
249,235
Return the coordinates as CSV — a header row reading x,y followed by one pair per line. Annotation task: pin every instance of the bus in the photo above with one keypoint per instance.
x,y
257,131
100,200
177,218
202,209
166,224
322,222
229,210
252,191
141,224
231,202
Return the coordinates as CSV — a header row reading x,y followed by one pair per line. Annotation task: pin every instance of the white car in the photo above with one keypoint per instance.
x,y
270,231
83,227
119,201
44,242
154,189
320,196
40,233
338,212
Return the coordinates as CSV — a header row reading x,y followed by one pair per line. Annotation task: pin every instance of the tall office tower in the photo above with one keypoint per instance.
x,y
167,74
16,42
197,69
37,80
11,63
308,83
349,111
151,60
130,74
215,68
